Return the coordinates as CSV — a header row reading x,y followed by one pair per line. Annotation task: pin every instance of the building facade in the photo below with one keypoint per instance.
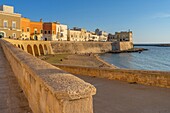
x,y
122,40
124,36
49,31
77,34
92,36
61,32
31,30
25,28
103,36
36,30
9,22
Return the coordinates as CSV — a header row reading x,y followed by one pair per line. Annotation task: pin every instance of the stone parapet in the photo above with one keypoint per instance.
x,y
153,78
48,88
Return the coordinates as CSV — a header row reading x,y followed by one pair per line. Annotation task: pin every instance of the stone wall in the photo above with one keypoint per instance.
x,y
38,48
48,88
153,78
126,45
121,46
81,47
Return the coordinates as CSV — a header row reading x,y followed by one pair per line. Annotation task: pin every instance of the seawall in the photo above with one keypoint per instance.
x,y
48,88
153,78
81,47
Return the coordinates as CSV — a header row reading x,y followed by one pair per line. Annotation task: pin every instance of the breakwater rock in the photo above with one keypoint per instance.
x,y
129,51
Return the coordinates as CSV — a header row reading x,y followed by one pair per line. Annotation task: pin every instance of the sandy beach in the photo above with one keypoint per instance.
x,y
87,60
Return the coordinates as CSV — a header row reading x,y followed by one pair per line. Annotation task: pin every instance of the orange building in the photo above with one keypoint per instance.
x,y
31,30
25,28
49,31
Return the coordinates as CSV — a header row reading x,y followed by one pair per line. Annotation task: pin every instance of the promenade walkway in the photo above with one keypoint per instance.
x,y
121,97
12,99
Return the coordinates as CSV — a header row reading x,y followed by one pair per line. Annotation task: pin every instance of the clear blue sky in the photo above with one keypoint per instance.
x,y
148,19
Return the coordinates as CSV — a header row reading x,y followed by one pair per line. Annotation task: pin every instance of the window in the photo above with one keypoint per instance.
x,y
53,32
14,35
41,31
49,32
62,35
22,30
5,24
13,24
28,29
35,31
45,32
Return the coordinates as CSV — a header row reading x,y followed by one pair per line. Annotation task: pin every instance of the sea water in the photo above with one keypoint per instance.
x,y
156,58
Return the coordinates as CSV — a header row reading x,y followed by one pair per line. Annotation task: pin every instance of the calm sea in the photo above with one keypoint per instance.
x,y
156,58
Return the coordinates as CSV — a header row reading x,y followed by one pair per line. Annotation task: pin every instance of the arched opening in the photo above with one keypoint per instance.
x,y
22,47
36,50
18,46
45,49
29,49
35,37
2,34
41,49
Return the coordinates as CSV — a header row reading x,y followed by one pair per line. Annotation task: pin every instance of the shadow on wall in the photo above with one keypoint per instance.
x,y
36,49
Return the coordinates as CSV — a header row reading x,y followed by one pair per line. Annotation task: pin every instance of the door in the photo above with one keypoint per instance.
x,y
1,34
35,37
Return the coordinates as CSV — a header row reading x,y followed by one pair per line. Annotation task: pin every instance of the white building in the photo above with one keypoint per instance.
x,y
103,36
93,37
61,32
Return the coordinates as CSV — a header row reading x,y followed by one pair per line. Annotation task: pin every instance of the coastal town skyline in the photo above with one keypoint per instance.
x,y
147,19
82,56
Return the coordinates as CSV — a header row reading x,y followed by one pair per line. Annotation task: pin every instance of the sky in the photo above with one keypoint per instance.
x,y
148,19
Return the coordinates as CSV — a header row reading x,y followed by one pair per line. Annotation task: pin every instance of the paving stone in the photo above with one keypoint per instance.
x,y
12,99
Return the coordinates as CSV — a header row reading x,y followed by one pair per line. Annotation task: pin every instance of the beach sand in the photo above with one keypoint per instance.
x,y
87,60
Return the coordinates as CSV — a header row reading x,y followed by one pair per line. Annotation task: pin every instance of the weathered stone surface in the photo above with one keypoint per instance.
x,y
81,47
153,78
42,82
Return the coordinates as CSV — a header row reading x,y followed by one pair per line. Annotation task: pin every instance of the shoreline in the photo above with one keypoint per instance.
x,y
86,60
129,51
106,63
102,69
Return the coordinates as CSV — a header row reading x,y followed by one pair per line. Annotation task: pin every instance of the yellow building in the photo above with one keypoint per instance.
x,y
9,22
77,34
124,36
122,40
